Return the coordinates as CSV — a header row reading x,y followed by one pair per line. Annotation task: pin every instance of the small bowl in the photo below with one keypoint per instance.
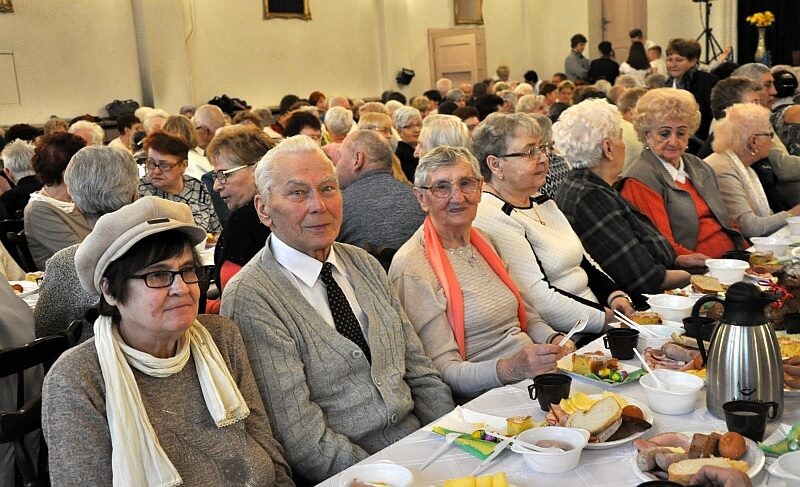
x,y
556,462
664,335
386,472
777,245
681,397
794,225
672,307
727,271
787,466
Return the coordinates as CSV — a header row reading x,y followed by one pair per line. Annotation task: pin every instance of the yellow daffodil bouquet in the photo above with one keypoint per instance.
x,y
761,19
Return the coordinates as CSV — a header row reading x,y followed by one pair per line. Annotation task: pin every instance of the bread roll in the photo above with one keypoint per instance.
x,y
732,445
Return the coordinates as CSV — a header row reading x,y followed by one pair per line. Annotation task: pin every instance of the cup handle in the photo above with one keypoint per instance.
x,y
535,391
605,341
774,406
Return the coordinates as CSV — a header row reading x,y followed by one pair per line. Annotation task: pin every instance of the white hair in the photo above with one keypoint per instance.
x,y
17,157
210,116
265,169
97,131
523,89
529,103
101,180
582,128
155,113
339,120
392,106
404,115
438,130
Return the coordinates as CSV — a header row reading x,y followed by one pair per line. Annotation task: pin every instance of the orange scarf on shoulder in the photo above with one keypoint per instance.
x,y
452,289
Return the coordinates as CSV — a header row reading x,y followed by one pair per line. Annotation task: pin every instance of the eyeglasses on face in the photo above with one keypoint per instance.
x,y
222,176
769,134
161,279
534,153
413,125
151,164
444,189
665,134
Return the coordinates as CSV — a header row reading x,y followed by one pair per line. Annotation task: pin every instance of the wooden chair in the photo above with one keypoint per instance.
x,y
12,234
15,425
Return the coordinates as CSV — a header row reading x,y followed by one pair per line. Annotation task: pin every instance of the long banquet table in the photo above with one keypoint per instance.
x,y
597,468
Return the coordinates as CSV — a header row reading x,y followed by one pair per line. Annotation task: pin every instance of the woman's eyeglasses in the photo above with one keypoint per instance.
x,y
680,134
769,134
151,164
444,189
222,176
161,279
531,154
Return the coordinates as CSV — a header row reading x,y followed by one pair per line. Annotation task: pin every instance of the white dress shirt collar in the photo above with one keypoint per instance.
x,y
304,267
678,175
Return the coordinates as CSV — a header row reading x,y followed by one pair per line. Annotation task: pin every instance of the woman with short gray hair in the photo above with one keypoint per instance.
x,y
622,240
441,130
546,258
456,291
408,123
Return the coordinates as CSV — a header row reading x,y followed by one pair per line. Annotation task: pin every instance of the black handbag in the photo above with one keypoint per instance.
x,y
121,107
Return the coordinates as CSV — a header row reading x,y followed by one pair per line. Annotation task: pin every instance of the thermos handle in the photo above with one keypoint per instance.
x,y
695,315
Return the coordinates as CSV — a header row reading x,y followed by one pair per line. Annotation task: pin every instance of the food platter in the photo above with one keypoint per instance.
x,y
565,365
754,457
648,416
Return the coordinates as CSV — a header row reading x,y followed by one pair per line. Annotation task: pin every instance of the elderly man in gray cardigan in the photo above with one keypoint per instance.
x,y
335,358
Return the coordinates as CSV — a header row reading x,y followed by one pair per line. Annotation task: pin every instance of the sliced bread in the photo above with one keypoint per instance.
x,y
683,471
597,418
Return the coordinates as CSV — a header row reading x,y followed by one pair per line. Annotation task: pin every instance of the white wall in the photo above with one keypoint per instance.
x,y
74,57
71,57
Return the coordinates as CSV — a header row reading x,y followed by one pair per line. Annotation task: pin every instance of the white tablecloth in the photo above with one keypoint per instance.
x,y
597,468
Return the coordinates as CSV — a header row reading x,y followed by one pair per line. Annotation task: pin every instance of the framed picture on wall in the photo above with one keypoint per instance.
x,y
6,7
468,11
286,9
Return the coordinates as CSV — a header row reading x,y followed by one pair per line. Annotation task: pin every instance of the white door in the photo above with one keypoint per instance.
x,y
619,18
457,54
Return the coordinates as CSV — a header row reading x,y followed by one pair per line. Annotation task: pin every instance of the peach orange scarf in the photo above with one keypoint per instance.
x,y
452,289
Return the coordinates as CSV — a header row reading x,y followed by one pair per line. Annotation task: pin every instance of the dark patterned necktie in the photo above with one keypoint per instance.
x,y
343,316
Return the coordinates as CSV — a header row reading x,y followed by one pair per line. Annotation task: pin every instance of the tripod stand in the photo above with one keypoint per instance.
x,y
713,49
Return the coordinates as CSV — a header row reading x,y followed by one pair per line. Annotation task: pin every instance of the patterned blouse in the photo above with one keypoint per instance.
x,y
195,195
789,133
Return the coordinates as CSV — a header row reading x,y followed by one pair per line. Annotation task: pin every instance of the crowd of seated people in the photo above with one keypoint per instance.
x,y
494,232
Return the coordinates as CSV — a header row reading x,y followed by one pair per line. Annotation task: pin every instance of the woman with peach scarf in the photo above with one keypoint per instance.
x,y
456,291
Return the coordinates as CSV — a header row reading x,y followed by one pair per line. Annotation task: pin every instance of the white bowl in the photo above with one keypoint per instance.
x,y
727,271
386,472
555,462
664,333
672,307
777,245
682,393
794,225
787,466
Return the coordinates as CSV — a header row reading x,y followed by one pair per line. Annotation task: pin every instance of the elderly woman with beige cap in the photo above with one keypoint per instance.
x,y
159,396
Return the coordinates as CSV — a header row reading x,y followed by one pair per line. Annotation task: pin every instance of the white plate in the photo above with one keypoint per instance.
x,y
391,474
28,287
565,364
648,416
754,457
467,421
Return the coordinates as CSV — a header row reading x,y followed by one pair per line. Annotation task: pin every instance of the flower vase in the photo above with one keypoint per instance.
x,y
761,47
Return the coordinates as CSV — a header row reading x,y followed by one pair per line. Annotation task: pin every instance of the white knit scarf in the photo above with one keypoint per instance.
x,y
752,185
137,457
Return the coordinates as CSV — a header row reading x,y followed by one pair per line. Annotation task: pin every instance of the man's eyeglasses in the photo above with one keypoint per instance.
x,y
531,154
444,189
151,164
161,279
222,176
769,134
